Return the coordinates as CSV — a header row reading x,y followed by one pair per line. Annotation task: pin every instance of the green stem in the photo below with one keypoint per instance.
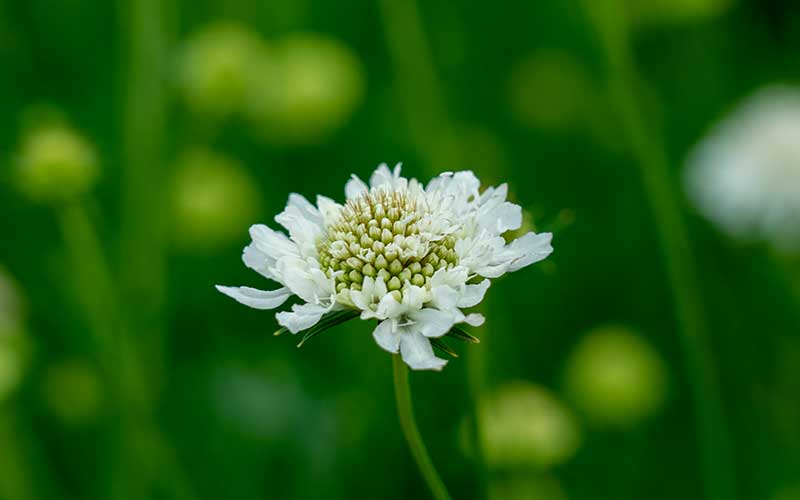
x,y
418,85
433,133
405,413
15,481
662,194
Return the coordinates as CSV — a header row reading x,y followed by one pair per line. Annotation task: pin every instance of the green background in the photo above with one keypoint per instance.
x,y
240,414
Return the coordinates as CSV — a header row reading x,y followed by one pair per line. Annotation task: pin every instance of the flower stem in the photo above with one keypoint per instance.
x,y
651,156
405,413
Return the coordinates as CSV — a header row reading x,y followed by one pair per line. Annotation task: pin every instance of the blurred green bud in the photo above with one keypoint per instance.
x,y
308,91
525,486
550,90
213,199
13,345
524,425
615,377
675,11
72,391
55,164
216,65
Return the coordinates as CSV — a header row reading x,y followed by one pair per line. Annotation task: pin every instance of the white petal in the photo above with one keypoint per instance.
x,y
417,352
473,294
387,336
474,319
273,244
301,317
504,217
355,187
296,274
328,208
432,322
257,299
531,248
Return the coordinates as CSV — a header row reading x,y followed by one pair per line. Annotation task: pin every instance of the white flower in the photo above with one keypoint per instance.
x,y
407,255
745,176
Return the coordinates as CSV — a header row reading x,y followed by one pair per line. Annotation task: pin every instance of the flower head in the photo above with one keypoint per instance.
x,y
410,256
745,176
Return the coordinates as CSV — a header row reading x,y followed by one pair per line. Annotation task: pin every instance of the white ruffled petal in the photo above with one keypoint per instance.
x,y
530,248
474,319
432,322
328,208
417,352
355,187
255,298
473,294
387,336
301,317
310,284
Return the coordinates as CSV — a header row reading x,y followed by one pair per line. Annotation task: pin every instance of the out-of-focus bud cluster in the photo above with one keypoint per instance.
x,y
216,67
318,83
526,486
73,391
295,91
524,425
13,340
213,197
615,378
55,164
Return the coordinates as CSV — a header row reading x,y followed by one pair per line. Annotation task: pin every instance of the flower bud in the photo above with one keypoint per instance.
x,y
316,83
215,68
55,164
615,377
524,425
213,198
525,485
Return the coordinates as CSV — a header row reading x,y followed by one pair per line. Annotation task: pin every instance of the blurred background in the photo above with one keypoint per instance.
x,y
655,355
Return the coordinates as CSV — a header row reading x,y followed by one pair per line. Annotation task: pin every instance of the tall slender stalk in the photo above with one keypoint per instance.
x,y
405,412
659,187
433,133
15,480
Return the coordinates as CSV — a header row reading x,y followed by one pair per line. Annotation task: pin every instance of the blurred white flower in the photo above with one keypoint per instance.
x,y
745,176
407,255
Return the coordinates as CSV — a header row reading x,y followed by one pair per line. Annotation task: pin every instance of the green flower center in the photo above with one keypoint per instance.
x,y
378,234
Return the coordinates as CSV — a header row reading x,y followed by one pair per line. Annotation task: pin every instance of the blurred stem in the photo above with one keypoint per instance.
x,y
405,413
651,157
15,482
418,85
143,228
142,450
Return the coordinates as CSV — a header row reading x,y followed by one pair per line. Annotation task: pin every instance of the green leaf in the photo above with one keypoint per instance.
x,y
327,322
442,346
458,333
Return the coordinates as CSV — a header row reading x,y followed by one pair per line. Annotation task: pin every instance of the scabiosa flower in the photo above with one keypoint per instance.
x,y
409,256
745,176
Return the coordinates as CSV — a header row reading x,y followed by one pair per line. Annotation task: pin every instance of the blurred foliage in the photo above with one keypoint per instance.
x,y
267,98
